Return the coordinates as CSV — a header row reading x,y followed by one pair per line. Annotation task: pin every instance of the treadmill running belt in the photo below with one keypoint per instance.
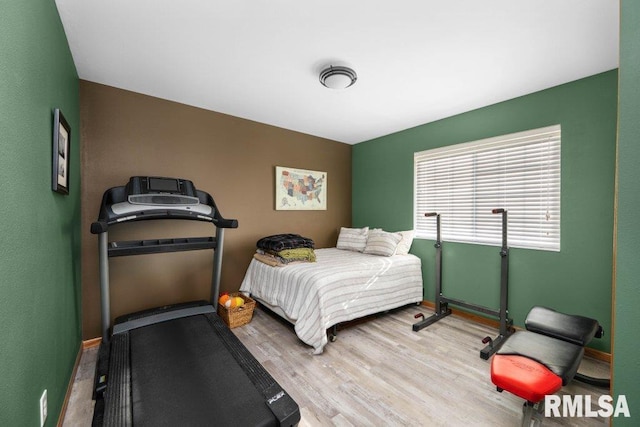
x,y
183,374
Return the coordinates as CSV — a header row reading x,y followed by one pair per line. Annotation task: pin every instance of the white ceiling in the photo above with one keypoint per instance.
x,y
417,60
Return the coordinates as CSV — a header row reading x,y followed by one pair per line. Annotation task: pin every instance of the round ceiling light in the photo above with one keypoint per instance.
x,y
335,77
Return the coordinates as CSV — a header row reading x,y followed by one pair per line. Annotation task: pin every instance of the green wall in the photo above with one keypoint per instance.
x,y
626,349
578,278
40,251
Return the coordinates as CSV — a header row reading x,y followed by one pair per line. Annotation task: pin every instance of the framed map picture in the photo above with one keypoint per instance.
x,y
299,189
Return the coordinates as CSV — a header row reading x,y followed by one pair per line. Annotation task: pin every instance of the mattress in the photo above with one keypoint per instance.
x,y
340,286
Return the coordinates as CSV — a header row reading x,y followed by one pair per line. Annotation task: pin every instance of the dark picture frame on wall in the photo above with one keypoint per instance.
x,y
61,151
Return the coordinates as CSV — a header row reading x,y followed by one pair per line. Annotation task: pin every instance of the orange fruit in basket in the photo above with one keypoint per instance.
x,y
224,298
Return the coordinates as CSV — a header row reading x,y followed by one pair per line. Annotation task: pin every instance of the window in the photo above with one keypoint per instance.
x,y
464,182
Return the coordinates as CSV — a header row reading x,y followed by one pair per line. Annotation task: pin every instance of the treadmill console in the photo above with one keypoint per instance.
x,y
149,198
152,190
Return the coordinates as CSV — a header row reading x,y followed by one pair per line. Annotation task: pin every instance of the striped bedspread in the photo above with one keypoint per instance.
x,y
340,286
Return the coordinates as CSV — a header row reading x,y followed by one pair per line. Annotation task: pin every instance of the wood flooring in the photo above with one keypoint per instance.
x,y
381,373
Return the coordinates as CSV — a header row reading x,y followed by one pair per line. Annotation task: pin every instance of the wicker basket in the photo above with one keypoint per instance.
x,y
237,316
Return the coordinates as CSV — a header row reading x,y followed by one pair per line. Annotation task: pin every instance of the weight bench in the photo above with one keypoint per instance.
x,y
541,359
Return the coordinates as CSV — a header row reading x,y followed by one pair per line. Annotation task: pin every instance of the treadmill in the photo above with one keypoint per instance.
x,y
179,364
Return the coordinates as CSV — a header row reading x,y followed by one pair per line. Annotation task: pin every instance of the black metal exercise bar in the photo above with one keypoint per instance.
x,y
442,303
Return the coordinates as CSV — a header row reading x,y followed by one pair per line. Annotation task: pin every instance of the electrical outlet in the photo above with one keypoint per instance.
x,y
43,407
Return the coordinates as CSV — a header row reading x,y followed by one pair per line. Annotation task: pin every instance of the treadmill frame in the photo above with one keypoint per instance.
x,y
278,401
106,249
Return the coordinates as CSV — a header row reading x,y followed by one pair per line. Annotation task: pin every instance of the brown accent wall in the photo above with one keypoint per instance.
x,y
126,134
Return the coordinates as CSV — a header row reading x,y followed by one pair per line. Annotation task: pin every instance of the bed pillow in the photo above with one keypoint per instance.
x,y
382,243
352,239
405,244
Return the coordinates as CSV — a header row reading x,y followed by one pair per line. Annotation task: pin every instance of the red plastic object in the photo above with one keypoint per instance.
x,y
523,377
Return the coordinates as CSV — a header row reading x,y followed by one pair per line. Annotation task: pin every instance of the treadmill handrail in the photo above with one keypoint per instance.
x,y
156,246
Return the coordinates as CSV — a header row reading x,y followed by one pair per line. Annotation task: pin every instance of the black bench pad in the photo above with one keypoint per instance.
x,y
561,357
578,330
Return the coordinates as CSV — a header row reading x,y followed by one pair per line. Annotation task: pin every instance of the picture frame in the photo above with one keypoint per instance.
x,y
61,152
300,189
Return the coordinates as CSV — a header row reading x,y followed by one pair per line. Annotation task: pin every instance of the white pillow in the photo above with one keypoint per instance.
x,y
405,244
352,239
382,243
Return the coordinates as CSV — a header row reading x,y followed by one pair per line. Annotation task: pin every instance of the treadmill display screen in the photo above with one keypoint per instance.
x,y
163,185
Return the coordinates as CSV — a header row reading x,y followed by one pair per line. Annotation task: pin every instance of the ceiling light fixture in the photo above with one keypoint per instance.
x,y
336,77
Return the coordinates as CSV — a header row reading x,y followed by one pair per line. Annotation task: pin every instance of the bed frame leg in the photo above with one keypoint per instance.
x,y
333,335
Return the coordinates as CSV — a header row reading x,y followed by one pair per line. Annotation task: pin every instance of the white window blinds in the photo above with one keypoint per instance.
x,y
464,182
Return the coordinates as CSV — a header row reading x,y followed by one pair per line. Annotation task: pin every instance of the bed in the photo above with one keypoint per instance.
x,y
341,285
